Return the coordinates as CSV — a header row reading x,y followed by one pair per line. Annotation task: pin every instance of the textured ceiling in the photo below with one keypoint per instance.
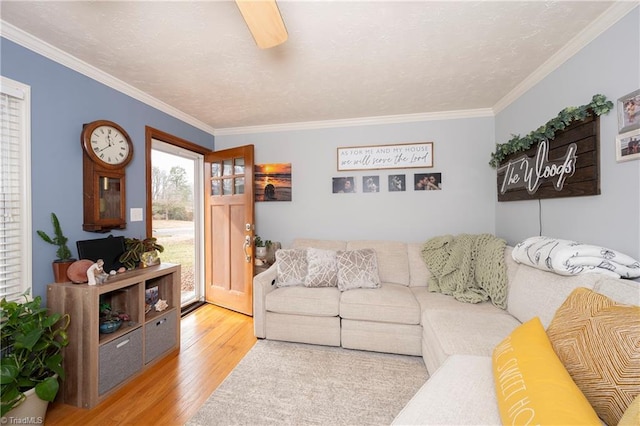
x,y
343,60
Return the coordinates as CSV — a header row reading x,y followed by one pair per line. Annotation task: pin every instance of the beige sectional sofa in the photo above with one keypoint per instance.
x,y
455,339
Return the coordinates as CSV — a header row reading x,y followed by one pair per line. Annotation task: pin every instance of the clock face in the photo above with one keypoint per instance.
x,y
109,145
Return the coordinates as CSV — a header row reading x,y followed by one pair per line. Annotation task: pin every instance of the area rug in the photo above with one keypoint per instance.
x,y
282,383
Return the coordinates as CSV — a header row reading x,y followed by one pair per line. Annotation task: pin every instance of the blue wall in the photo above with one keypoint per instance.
x,y
461,148
609,65
62,100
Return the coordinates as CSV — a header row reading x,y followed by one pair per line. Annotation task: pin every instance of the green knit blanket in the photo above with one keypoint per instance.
x,y
468,267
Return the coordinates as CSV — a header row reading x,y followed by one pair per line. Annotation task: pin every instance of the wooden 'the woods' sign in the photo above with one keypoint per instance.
x,y
567,166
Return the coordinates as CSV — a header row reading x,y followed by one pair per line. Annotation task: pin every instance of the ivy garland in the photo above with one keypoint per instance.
x,y
599,105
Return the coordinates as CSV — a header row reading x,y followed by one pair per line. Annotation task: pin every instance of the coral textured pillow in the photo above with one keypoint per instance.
x,y
291,267
358,269
532,385
598,341
322,268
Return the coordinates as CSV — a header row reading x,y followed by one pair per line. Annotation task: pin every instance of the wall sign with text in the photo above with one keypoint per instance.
x,y
566,166
401,156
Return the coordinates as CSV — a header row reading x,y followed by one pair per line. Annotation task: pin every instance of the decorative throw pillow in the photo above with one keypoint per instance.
x,y
532,385
598,341
322,268
291,267
357,269
631,417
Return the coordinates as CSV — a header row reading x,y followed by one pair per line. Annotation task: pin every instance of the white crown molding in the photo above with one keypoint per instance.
x,y
364,121
609,17
49,51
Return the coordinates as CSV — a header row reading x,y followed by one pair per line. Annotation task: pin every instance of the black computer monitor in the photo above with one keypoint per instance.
x,y
108,249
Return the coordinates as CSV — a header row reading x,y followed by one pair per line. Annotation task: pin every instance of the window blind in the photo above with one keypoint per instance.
x,y
15,190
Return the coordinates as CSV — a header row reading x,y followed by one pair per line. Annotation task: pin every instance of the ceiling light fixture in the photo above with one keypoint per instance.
x,y
264,21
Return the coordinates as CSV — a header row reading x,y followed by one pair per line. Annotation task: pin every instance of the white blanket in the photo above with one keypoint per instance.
x,y
570,258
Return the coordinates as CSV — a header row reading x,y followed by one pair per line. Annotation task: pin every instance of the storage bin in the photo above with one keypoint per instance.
x,y
160,335
119,360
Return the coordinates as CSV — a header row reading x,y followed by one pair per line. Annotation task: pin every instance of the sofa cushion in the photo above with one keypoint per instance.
x,y
357,269
463,331
322,268
429,300
460,392
291,267
334,245
393,261
381,337
315,330
532,385
620,290
512,265
599,343
392,303
536,293
298,300
419,274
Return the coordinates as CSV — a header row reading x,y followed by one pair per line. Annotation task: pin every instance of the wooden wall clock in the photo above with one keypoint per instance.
x,y
107,149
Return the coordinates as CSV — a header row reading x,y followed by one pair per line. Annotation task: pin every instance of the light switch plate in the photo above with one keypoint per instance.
x,y
136,214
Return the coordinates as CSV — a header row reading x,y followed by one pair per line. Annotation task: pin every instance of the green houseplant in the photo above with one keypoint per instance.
x,y
261,247
63,254
134,249
32,342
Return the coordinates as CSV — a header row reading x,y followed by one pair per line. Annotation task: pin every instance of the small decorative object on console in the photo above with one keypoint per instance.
x,y
109,326
96,274
151,297
161,305
77,272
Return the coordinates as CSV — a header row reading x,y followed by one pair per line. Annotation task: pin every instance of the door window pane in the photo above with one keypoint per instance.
x,y
216,170
239,185
227,170
239,169
227,186
215,187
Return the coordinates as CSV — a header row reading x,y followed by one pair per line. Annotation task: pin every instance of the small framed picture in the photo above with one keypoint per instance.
x,y
370,183
343,185
397,183
151,296
629,112
427,181
628,146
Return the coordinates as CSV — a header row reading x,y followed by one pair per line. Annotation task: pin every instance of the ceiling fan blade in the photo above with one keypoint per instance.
x,y
264,21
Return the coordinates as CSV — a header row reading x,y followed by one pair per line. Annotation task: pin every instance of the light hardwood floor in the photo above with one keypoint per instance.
x,y
213,341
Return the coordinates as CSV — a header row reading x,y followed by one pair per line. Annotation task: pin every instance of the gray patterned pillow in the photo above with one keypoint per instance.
x,y
357,269
322,268
291,267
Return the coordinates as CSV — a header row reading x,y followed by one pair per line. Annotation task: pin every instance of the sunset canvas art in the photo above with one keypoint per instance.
x,y
272,182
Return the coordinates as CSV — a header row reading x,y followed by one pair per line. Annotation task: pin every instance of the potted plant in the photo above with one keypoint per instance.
x,y
31,364
64,260
135,250
261,247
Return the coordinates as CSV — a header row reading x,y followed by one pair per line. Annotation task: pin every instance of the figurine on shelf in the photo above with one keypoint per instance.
x,y
96,274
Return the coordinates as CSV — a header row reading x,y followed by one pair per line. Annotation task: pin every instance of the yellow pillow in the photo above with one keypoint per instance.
x,y
598,341
532,385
